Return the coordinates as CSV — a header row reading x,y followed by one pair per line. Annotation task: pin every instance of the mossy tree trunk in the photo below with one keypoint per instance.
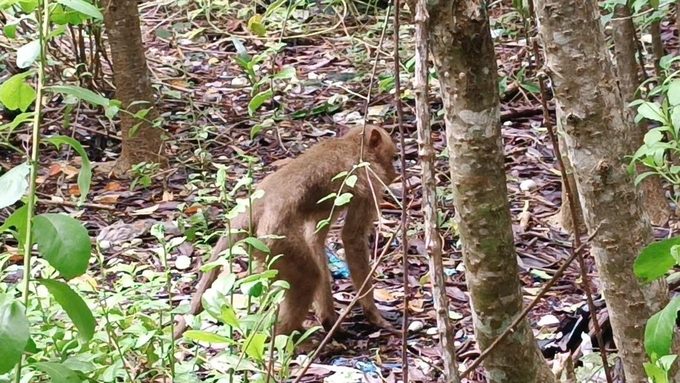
x,y
598,137
464,57
141,142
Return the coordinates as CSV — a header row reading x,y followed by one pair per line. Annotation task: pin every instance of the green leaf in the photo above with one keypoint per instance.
x,y
654,4
653,136
16,94
652,111
258,100
28,53
203,336
351,181
642,177
659,330
674,92
255,348
14,334
10,31
343,199
228,316
257,244
58,373
81,94
323,223
326,198
655,260
64,242
74,305
339,175
18,221
286,73
13,184
85,174
83,7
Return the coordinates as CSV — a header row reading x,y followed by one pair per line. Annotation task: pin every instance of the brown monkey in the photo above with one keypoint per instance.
x,y
290,208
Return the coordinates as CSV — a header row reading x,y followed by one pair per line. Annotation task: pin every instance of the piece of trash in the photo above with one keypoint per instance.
x,y
338,267
528,185
415,326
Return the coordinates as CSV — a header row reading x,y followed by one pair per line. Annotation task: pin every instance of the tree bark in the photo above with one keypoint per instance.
x,y
464,57
590,108
132,86
654,198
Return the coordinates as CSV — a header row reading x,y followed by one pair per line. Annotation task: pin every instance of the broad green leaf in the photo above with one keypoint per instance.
x,y
28,53
74,305
58,373
655,260
286,73
655,373
18,221
642,177
653,136
652,111
659,330
85,174
674,92
13,184
257,101
64,242
203,336
228,316
256,243
14,334
81,94
351,181
83,7
654,4
343,199
10,30
16,94
255,25
255,348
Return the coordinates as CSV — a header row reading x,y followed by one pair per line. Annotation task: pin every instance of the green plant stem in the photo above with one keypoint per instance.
x,y
168,287
43,22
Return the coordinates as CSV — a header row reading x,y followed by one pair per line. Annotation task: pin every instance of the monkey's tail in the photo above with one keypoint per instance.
x,y
207,279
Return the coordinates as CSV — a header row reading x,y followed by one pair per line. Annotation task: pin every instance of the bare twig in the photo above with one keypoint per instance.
x,y
429,206
404,192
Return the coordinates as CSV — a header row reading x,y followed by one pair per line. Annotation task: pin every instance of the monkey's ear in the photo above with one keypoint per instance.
x,y
374,138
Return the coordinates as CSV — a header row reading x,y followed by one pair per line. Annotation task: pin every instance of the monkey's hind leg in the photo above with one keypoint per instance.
x,y
301,273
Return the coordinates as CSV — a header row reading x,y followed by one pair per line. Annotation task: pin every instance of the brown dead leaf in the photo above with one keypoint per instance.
x,y
74,190
54,170
113,186
109,199
193,209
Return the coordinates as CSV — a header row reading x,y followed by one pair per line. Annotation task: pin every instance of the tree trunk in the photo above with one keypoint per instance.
x,y
657,48
132,86
654,198
589,105
464,57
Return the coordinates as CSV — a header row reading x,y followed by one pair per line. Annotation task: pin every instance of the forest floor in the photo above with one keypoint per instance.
x,y
204,102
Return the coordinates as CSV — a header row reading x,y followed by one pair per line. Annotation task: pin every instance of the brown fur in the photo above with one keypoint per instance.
x,y
289,208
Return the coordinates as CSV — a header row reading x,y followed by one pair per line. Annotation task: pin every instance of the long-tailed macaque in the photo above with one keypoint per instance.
x,y
290,207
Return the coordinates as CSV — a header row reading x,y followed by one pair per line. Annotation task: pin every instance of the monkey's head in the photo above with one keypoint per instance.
x,y
383,151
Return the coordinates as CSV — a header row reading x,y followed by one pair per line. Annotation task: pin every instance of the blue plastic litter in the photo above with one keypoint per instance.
x,y
365,366
337,266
